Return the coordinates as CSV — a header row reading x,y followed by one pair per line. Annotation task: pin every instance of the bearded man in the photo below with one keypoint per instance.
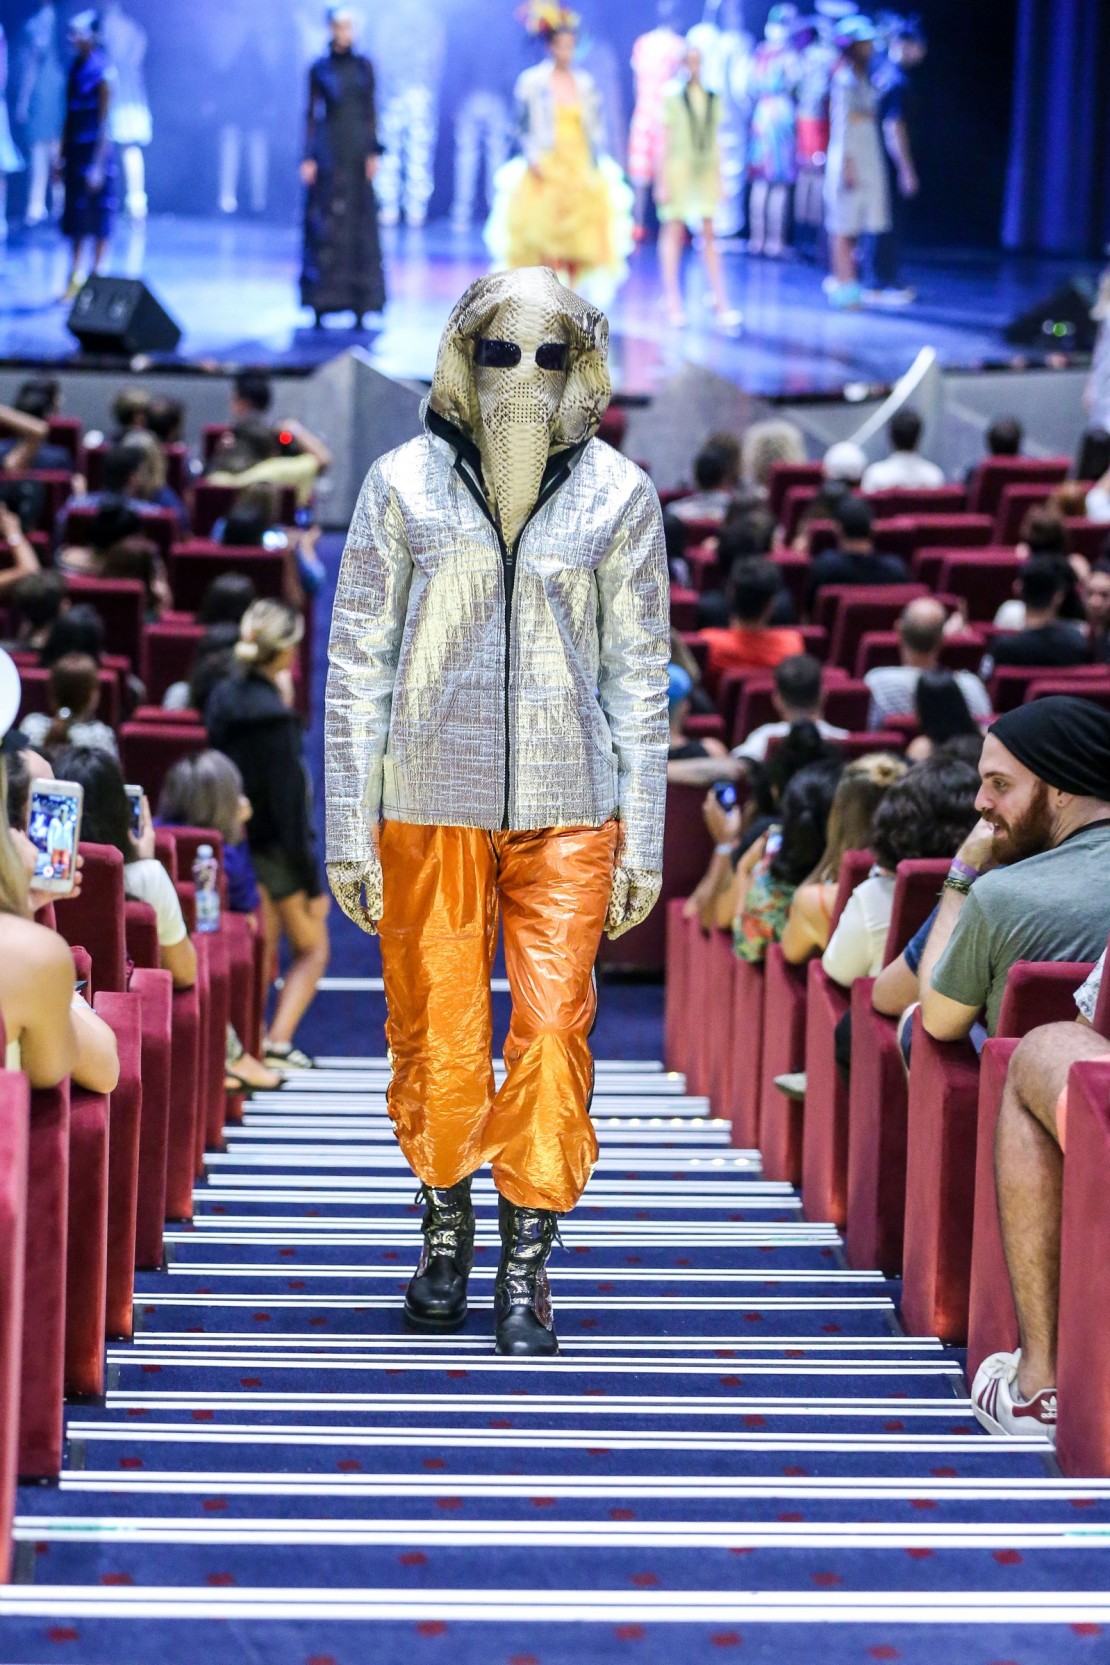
x,y
497,745
1030,881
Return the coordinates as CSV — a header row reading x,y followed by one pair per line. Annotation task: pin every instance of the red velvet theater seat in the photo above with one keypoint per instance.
x,y
123,1013
942,1151
825,1121
95,919
148,751
720,1052
1083,1362
86,1288
746,1041
877,1095
676,1032
44,1284
121,603
784,1040
15,1112
994,474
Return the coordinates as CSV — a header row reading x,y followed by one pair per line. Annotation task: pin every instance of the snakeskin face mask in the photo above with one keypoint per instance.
x,y
521,361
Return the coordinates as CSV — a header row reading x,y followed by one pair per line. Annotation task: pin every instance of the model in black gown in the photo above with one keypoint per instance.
x,y
342,269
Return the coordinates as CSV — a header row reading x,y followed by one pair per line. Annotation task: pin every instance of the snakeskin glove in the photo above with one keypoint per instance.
x,y
357,887
634,894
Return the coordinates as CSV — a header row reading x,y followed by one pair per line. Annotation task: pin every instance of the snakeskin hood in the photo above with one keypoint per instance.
x,y
517,412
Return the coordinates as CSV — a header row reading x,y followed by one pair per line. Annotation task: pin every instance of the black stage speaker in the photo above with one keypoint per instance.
x,y
120,316
1060,323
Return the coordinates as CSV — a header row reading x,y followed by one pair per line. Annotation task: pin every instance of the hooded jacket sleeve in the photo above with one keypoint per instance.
x,y
634,639
368,622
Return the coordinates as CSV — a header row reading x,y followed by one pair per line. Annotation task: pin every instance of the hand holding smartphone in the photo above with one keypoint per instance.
x,y
55,831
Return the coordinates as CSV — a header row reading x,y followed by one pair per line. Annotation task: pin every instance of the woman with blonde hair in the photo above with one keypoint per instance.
x,y
249,717
768,443
861,789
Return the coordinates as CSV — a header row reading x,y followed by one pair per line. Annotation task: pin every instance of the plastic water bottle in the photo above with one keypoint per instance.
x,y
206,880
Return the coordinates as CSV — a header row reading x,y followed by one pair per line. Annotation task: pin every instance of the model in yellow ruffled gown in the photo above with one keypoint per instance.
x,y
561,204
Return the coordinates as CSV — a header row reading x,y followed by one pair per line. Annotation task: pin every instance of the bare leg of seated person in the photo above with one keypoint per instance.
x,y
1015,1392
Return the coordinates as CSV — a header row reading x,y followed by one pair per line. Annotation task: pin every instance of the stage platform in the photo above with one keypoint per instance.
x,y
232,285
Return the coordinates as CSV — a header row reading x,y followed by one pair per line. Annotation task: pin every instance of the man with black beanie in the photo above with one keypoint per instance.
x,y
1029,882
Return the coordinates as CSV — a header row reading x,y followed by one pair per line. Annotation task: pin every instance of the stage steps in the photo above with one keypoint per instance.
x,y
737,1450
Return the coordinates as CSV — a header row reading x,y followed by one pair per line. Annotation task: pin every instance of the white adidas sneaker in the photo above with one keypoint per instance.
x,y
1000,1409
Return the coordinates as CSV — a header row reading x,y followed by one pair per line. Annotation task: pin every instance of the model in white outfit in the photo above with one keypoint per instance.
x,y
130,124
857,190
40,95
10,159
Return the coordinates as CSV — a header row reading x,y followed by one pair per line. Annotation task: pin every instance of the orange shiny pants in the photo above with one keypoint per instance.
x,y
443,890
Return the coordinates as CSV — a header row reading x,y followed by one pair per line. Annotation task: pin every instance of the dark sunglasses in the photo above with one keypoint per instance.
x,y
506,355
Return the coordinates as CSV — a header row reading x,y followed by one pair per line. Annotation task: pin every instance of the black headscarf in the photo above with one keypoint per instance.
x,y
1062,739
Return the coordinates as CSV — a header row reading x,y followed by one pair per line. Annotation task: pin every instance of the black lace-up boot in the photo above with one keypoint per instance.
x,y
436,1296
521,1296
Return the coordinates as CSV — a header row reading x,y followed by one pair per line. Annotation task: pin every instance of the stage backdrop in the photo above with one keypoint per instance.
x,y
237,67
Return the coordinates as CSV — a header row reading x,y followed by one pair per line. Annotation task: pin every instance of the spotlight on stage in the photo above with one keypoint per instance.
x,y
120,317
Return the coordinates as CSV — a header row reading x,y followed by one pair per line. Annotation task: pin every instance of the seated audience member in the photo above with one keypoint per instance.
x,y
1092,459
80,629
1046,639
166,420
131,410
1005,437
226,599
248,718
1015,1393
149,485
116,548
905,466
797,697
680,749
252,394
37,599
122,472
106,819
1096,608
842,469
72,697
254,521
925,814
38,399
1044,533
855,559
51,1031
782,859
24,558
716,476
674,540
751,642
860,790
942,713
207,791
253,452
214,659
1029,881
716,897
747,530
893,688
766,443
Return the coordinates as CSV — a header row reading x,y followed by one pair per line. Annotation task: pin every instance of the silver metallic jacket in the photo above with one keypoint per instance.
x,y
469,688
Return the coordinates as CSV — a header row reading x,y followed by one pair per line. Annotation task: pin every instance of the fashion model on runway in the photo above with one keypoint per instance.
x,y
689,188
88,156
857,191
496,745
342,265
563,202
40,101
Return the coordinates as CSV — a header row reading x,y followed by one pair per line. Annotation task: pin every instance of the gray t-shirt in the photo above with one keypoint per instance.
x,y
1055,906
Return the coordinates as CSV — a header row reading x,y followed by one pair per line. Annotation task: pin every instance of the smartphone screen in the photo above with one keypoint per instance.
x,y
135,799
54,831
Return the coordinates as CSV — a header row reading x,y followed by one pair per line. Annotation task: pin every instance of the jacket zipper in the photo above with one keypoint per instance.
x,y
508,568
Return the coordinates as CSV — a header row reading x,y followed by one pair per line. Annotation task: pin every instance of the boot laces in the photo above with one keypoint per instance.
x,y
444,1219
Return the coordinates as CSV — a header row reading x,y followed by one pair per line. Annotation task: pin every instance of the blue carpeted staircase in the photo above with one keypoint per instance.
x,y
737,1453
